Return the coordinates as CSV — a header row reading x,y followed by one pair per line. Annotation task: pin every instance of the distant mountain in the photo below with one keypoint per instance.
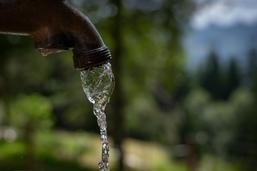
x,y
230,41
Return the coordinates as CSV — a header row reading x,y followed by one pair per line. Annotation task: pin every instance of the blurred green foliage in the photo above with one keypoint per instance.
x,y
34,109
201,117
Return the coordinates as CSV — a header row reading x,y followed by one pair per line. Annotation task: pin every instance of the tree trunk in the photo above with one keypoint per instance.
x,y
30,147
117,114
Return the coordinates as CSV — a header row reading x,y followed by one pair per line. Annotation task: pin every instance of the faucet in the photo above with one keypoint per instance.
x,y
55,25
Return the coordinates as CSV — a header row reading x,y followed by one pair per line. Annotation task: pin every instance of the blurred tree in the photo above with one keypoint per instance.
x,y
210,78
232,78
117,113
252,70
148,37
208,126
243,146
220,81
4,87
7,87
24,70
172,18
30,114
192,126
222,128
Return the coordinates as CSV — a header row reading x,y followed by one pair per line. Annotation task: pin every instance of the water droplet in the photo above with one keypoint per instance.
x,y
46,52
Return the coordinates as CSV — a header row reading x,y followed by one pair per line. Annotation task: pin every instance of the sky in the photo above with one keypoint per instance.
x,y
225,13
227,26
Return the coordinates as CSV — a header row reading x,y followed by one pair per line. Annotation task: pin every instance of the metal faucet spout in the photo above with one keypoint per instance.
x,y
55,25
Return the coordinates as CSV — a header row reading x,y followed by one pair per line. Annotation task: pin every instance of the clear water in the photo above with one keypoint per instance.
x,y
98,84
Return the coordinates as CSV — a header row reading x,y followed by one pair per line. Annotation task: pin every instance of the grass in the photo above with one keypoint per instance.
x,y
46,164
63,151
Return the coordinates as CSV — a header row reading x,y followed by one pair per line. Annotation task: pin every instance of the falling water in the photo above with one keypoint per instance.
x,y
98,84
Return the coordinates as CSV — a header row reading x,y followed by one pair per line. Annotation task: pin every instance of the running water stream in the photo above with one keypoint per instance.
x,y
98,84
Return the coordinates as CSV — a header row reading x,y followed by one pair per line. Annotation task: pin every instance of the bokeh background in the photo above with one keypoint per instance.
x,y
185,96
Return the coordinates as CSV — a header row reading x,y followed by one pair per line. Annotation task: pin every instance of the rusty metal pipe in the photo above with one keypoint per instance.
x,y
55,25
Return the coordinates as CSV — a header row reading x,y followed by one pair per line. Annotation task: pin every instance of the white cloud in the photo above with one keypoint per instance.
x,y
225,13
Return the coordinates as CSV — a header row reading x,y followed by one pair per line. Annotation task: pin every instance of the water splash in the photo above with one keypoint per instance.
x,y
98,84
